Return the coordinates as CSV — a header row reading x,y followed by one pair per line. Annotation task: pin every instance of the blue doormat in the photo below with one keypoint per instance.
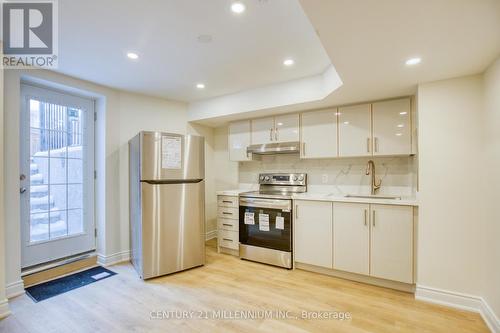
x,y
59,286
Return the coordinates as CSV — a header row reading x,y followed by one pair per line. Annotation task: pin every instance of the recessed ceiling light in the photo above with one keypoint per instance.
x,y
399,134
401,125
132,55
288,62
200,85
403,113
413,61
346,123
238,7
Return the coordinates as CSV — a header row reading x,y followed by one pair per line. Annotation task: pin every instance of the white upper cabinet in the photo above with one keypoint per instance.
x,y
263,130
239,140
286,128
319,134
392,127
351,237
313,233
355,131
392,243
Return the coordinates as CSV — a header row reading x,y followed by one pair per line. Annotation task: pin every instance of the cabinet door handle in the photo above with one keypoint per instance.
x,y
373,218
227,213
303,149
376,144
296,211
271,134
227,239
276,134
366,217
227,224
368,145
227,201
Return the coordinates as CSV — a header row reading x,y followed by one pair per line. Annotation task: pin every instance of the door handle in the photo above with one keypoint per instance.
x,y
368,145
303,149
296,211
271,134
22,190
376,144
276,134
373,218
366,217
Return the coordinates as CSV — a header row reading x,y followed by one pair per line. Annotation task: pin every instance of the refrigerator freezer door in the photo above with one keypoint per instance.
x,y
173,227
166,156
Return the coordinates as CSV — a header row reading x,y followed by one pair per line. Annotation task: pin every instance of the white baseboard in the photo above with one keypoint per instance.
x,y
14,289
211,234
113,259
460,301
4,309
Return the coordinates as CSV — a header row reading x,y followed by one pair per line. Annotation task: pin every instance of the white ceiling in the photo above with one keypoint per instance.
x,y
368,42
246,52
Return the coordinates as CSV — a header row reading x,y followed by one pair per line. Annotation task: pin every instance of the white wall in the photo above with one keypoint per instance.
x,y
492,185
459,220
120,116
450,238
4,307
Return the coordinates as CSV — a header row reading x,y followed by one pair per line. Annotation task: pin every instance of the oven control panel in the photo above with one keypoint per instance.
x,y
283,178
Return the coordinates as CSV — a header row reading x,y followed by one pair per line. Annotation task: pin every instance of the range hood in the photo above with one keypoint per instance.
x,y
275,148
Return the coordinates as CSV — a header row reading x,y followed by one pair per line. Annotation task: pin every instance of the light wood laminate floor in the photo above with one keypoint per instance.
x,y
123,303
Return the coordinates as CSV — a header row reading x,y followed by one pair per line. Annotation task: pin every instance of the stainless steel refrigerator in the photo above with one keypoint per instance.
x,y
167,202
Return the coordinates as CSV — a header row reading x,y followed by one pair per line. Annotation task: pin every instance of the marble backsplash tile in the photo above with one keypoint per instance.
x,y
340,176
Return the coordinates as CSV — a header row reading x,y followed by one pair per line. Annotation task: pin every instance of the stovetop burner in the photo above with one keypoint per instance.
x,y
279,186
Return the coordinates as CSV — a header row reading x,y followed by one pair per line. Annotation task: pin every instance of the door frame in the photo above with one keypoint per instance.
x,y
45,252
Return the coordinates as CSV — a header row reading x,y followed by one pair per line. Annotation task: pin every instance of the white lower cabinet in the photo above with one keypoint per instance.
x,y
367,239
391,250
227,224
351,237
313,233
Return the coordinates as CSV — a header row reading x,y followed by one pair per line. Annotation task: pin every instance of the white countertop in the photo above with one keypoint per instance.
x,y
404,201
337,198
233,192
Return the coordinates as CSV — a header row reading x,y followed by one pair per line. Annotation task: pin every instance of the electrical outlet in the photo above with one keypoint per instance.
x,y
324,178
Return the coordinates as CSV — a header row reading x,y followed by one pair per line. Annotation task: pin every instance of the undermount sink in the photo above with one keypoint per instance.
x,y
374,196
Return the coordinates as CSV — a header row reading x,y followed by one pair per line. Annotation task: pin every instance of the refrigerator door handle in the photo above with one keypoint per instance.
x,y
172,181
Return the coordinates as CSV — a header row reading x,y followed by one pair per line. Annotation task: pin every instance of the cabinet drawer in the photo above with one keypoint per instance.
x,y
228,224
227,212
227,201
228,239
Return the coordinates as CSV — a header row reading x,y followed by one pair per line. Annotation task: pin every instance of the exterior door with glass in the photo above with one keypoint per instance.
x,y
57,181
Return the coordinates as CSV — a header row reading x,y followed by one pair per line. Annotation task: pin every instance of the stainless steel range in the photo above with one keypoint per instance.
x,y
266,218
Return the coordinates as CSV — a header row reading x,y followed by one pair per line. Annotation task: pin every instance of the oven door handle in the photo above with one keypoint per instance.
x,y
284,205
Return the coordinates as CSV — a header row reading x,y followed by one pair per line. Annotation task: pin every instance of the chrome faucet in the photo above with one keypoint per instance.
x,y
370,168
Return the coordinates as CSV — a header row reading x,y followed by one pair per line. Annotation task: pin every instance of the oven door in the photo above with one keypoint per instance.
x,y
266,223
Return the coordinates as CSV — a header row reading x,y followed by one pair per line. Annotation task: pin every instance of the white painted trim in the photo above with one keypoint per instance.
x,y
14,289
460,301
113,259
211,234
4,308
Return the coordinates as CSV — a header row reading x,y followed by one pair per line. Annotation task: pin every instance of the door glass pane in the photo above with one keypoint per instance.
x,y
75,221
39,227
56,171
75,171
75,198
58,227
58,144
